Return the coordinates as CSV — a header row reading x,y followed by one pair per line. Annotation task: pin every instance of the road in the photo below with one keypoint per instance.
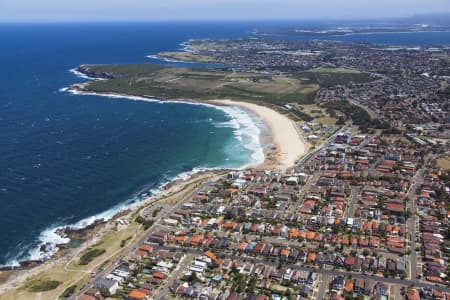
x,y
350,212
324,145
412,225
175,275
133,246
323,287
371,113
329,272
136,244
416,182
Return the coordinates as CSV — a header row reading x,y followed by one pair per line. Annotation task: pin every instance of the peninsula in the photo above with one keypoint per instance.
x,y
361,212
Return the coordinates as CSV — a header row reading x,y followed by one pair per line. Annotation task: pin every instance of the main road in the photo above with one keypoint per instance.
x,y
131,248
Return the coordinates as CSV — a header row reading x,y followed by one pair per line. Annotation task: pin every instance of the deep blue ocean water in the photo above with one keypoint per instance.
x,y
68,159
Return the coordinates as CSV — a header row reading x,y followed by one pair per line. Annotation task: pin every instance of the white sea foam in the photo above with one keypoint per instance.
x,y
48,238
172,60
184,48
245,127
243,122
80,74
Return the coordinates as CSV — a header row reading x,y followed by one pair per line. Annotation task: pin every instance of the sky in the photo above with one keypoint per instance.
x,y
166,10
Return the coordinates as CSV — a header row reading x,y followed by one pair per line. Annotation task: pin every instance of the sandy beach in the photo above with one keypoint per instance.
x,y
290,146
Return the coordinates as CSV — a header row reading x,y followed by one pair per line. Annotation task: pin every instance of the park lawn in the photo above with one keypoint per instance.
x,y
56,273
318,114
76,274
168,83
79,275
327,77
311,108
177,197
205,45
326,120
315,111
110,242
278,288
187,56
443,162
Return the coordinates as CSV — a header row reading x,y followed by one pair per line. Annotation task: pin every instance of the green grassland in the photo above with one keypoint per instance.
x,y
42,285
206,45
327,77
187,56
165,83
443,162
199,84
87,257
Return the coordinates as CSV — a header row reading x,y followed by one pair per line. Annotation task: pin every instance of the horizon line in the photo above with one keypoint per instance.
x,y
229,20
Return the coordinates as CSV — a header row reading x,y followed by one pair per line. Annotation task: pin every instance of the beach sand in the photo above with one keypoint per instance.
x,y
290,145
284,135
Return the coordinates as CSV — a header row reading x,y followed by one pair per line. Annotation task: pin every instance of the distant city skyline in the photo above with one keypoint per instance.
x,y
168,10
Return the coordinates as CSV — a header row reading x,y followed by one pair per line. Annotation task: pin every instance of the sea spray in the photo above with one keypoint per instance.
x,y
246,130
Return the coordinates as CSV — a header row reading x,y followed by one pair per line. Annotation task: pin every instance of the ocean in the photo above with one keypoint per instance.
x,y
69,159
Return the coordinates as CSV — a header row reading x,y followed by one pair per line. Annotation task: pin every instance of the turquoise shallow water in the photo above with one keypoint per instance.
x,y
69,159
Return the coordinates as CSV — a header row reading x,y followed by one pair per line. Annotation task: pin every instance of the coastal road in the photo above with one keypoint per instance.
x,y
324,145
133,246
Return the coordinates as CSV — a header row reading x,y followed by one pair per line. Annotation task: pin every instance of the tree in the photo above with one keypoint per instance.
x,y
366,252
251,284
340,121
193,277
234,270
241,286
105,292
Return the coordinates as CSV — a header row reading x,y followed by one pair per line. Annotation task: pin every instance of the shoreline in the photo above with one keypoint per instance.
x,y
283,152
86,228
281,127
94,233
282,130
